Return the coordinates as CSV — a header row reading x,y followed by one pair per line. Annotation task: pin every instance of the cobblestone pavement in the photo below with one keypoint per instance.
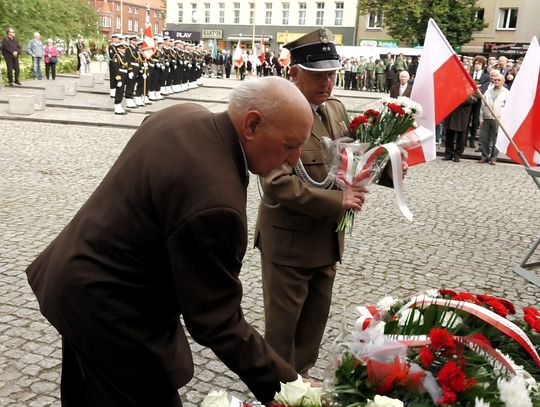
x,y
473,223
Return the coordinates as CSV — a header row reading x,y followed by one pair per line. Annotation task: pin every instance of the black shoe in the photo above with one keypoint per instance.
x,y
447,158
471,145
18,83
10,84
457,159
477,150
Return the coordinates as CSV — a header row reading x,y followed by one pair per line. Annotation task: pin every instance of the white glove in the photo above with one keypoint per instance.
x,y
119,85
144,76
130,75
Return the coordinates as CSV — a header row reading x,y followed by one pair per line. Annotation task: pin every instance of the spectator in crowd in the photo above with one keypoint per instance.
x,y
480,78
84,58
79,46
115,289
50,57
495,97
412,67
11,50
456,126
35,49
403,88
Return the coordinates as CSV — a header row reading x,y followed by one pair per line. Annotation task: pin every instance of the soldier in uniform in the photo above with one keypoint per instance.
x,y
163,49
155,71
370,74
119,70
361,74
111,50
380,75
134,60
296,227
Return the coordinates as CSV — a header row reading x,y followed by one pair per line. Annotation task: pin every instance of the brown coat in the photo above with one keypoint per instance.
x,y
163,235
394,91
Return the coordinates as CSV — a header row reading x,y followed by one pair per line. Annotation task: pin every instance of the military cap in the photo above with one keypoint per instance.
x,y
315,51
131,37
120,44
166,38
116,35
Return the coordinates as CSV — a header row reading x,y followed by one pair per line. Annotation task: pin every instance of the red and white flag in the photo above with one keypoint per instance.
x,y
441,84
148,40
237,55
521,114
262,55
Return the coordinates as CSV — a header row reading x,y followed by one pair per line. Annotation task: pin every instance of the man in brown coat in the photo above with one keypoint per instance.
x,y
296,230
163,236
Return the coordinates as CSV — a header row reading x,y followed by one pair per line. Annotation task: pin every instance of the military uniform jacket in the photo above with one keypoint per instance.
x,y
301,230
163,235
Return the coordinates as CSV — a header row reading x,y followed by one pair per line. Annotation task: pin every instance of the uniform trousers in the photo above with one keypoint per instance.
x,y
296,307
91,382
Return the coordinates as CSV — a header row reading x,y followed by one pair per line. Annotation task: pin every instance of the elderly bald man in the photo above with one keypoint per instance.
x,y
163,236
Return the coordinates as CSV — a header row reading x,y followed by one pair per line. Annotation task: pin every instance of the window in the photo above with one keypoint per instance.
x,y
130,24
339,13
206,12
180,12
285,14
136,25
251,12
194,13
136,10
507,18
130,10
156,28
374,19
118,23
479,15
268,15
156,15
118,7
301,13
106,22
221,13
320,14
236,13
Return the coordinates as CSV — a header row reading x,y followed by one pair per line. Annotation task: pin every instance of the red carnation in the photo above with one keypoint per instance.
x,y
385,376
532,318
448,397
426,357
445,292
441,339
466,297
452,377
357,121
372,113
396,109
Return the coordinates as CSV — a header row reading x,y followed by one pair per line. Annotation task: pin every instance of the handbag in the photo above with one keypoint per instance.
x,y
53,60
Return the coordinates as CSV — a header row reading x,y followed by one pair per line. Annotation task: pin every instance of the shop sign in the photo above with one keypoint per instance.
x,y
285,37
183,35
379,43
506,47
207,33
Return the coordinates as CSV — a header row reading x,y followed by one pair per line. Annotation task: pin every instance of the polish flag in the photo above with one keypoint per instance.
x,y
237,55
521,115
262,55
148,40
441,84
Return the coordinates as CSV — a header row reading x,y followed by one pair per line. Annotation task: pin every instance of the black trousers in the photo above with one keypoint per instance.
x,y
12,65
50,69
86,383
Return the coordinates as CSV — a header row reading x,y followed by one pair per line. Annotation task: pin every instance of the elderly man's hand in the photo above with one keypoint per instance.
x,y
354,197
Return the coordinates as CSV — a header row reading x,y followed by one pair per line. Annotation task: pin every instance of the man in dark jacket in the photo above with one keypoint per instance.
x,y
163,236
11,50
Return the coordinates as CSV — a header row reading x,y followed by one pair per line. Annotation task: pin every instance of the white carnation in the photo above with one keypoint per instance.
x,y
514,392
216,399
383,401
480,403
386,303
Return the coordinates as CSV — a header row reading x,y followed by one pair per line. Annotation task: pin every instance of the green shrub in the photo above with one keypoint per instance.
x,y
65,64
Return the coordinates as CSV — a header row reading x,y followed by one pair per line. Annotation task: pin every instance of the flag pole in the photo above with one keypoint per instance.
x,y
518,151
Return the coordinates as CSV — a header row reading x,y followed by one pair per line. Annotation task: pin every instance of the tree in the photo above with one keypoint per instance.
x,y
52,18
407,20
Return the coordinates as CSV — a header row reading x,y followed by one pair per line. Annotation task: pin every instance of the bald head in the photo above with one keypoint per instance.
x,y
272,119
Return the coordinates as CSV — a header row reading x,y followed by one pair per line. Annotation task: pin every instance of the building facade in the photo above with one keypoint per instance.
x,y
274,22
129,16
510,26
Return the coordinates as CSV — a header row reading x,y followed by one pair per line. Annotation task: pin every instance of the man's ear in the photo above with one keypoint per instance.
x,y
252,120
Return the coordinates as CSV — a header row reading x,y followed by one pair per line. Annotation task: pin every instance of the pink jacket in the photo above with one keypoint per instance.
x,y
49,52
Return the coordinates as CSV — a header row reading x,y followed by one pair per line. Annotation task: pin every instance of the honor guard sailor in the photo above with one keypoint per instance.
x,y
119,70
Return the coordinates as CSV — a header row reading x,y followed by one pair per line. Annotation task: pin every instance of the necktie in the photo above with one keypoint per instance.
x,y
324,118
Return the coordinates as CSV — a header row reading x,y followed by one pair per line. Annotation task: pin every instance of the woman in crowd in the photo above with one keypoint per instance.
x,y
50,57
